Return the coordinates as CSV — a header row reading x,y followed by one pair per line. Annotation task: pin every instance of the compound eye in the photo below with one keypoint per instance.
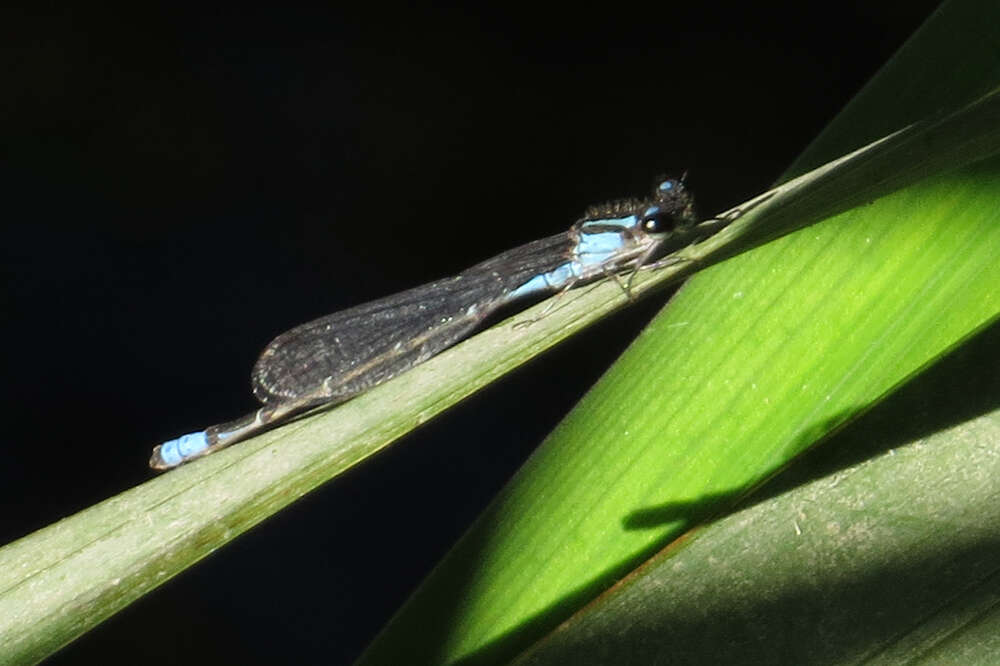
x,y
658,221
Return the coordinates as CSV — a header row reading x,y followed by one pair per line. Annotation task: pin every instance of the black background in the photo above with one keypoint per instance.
x,y
180,185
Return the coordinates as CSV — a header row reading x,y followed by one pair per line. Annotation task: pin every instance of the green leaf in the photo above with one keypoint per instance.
x,y
751,365
887,561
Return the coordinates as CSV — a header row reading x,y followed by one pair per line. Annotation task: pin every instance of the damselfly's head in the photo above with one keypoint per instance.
x,y
670,211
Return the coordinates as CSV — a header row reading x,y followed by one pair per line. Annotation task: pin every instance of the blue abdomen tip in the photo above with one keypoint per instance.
x,y
176,451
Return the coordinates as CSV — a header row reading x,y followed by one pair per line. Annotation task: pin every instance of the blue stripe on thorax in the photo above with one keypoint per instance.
x,y
594,249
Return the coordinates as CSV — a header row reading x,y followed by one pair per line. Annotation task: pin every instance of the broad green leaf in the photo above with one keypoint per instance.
x,y
749,367
886,561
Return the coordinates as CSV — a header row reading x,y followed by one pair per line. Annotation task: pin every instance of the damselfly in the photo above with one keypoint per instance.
x,y
334,358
